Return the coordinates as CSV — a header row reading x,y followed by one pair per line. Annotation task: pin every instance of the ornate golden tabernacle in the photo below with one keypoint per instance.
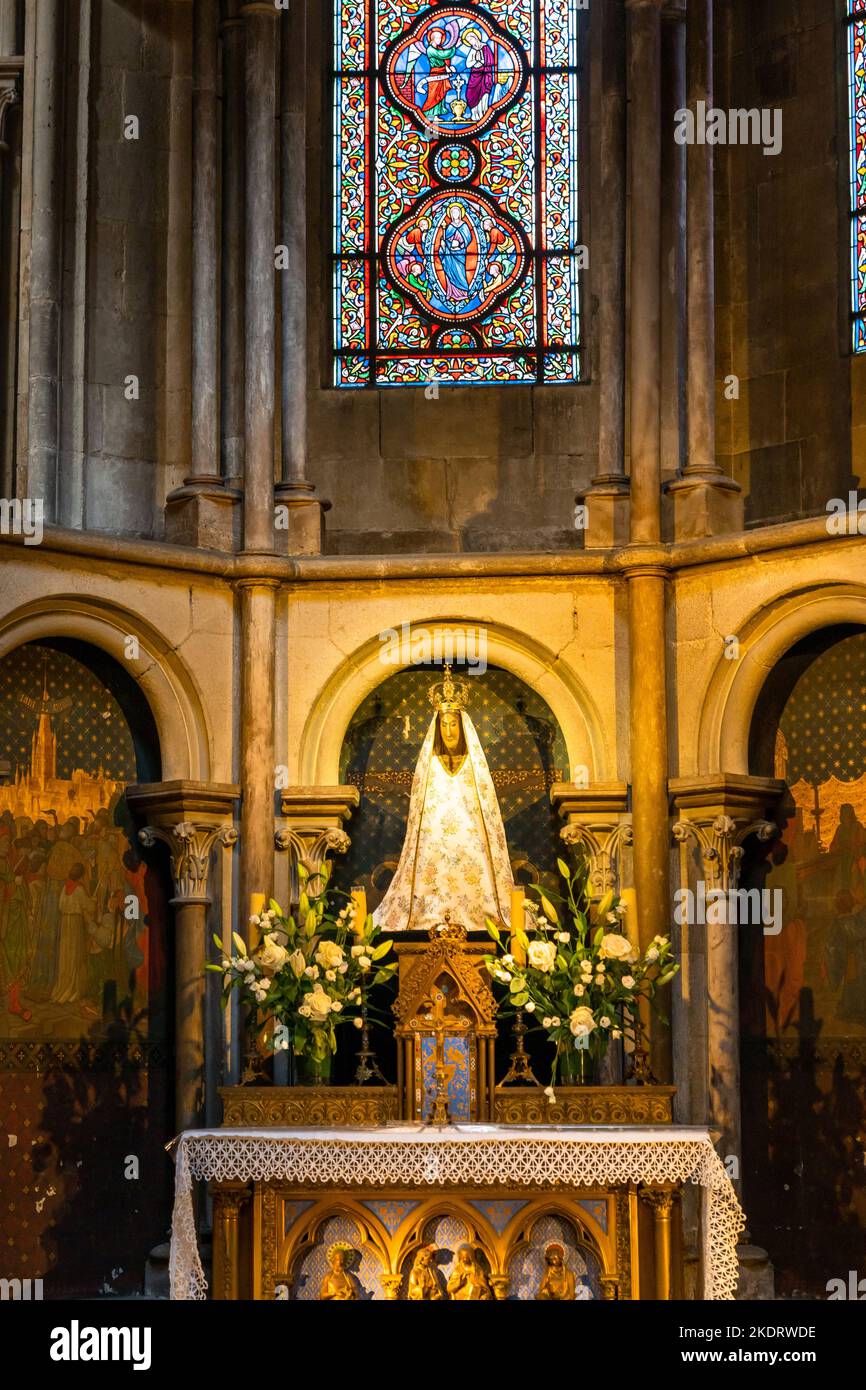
x,y
446,1029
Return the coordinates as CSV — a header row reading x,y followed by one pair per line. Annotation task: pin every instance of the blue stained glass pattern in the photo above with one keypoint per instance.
x,y
456,196
857,154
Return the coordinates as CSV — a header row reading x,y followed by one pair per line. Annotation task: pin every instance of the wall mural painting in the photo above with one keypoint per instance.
x,y
73,894
83,1046
525,751
803,991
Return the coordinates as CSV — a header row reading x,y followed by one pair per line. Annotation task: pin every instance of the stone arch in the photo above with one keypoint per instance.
x,y
353,680
162,677
735,686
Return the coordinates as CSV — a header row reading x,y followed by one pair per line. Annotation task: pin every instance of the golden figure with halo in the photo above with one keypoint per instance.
x,y
559,1282
338,1286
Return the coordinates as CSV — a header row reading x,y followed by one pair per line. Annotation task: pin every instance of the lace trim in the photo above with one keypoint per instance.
x,y
541,1162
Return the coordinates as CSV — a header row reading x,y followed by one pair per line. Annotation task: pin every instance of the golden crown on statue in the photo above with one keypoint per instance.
x,y
448,694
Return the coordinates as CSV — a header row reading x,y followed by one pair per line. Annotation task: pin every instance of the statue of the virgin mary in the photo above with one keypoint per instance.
x,y
454,857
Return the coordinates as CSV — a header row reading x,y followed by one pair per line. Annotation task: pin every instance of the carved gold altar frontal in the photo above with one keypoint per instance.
x,y
608,1197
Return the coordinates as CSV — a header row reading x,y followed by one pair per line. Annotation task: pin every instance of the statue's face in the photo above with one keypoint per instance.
x,y
555,1259
424,1258
450,729
466,1257
339,1261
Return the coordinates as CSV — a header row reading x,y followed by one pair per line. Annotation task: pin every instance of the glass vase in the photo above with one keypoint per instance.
x,y
578,1066
314,1071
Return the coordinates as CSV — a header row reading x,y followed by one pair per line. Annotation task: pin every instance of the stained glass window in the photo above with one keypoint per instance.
x,y
456,253
857,122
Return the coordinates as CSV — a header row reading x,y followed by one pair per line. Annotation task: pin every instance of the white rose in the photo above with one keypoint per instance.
x,y
652,954
272,956
529,1006
550,1093
358,1022
605,1022
329,955
298,963
364,962
617,1033
312,971
628,982
579,991
542,956
563,936
358,951
330,975
586,967
616,947
502,976
319,1004
336,1006
341,969
545,1023
581,1022
226,964
305,1011
555,1022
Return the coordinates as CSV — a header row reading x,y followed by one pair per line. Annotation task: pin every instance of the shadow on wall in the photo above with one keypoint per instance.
x,y
98,1141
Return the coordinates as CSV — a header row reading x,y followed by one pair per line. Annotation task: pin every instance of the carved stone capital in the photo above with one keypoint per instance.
x,y
190,818
720,842
721,814
659,1200
189,846
314,824
597,823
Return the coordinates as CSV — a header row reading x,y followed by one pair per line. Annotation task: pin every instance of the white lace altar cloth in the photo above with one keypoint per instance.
x,y
471,1155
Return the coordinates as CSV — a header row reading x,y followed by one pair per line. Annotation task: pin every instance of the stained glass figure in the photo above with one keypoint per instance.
x,y
456,254
857,124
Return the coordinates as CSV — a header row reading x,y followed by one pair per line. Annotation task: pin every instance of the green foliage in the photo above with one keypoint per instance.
x,y
574,972
306,972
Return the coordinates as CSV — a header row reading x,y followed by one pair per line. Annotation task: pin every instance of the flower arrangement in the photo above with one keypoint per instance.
x,y
309,974
578,974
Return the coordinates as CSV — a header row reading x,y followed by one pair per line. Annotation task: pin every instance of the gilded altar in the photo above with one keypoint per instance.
x,y
609,1197
449,1185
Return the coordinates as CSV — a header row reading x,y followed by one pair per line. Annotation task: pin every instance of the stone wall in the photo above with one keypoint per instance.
x,y
782,265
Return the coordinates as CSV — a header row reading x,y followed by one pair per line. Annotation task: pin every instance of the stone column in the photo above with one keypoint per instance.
x,y
649,771
45,290
233,200
673,243
258,610
201,512
11,66
314,821
716,816
190,818
301,515
646,576
607,500
644,131
706,501
597,822
261,36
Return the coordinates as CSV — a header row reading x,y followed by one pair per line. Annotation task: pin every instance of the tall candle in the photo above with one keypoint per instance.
x,y
359,920
628,899
257,904
518,923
